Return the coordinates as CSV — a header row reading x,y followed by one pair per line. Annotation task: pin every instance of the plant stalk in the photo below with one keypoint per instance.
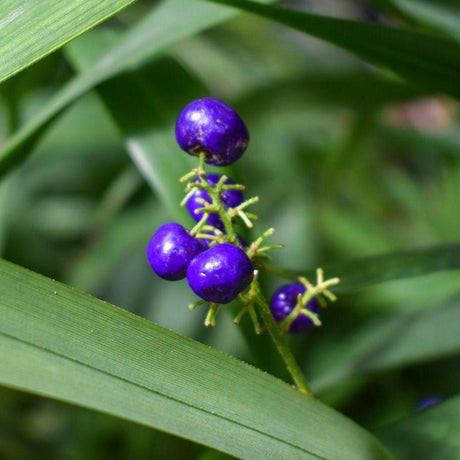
x,y
280,341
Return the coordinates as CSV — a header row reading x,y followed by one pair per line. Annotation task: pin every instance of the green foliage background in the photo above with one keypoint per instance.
x,y
355,156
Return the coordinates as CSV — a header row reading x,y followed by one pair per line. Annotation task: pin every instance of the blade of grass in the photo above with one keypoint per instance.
x,y
32,30
162,27
389,342
429,434
367,271
440,15
61,343
428,60
359,90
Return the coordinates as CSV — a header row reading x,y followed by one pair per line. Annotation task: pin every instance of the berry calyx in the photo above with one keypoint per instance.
x,y
220,273
170,251
229,198
285,300
210,126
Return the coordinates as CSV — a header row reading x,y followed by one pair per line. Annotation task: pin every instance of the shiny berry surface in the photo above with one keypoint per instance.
x,y
230,199
208,125
220,273
283,302
170,251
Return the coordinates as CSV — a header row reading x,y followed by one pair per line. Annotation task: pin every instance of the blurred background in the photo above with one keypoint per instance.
x,y
347,161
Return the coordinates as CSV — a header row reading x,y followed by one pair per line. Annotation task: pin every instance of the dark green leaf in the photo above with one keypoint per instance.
x,y
358,90
160,28
390,342
431,434
441,15
368,271
428,60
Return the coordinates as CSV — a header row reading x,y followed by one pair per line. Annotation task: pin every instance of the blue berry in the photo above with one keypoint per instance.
x,y
170,251
283,302
429,401
230,199
220,273
210,126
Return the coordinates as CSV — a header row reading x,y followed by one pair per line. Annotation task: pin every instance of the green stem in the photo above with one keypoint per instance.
x,y
214,193
280,341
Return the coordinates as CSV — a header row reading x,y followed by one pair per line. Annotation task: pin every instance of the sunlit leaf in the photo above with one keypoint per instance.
x,y
58,342
31,30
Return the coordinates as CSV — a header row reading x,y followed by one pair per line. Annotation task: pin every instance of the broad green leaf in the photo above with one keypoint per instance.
x,y
368,271
58,342
32,29
429,60
146,117
430,434
441,15
160,28
390,342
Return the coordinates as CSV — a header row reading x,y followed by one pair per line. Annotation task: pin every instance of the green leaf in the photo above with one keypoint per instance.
x,y
144,104
3,213
358,90
431,61
441,15
367,271
431,434
58,342
31,30
144,41
390,342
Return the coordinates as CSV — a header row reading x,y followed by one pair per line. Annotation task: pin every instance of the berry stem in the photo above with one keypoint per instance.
x,y
211,316
214,193
279,339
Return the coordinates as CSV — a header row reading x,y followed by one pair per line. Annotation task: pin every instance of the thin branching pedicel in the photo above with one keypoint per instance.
x,y
218,264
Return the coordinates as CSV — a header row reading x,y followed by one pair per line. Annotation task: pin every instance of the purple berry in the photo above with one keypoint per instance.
x,y
220,273
170,251
208,125
230,199
283,302
429,401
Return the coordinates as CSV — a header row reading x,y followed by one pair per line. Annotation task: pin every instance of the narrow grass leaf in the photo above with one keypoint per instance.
x,y
167,23
390,342
32,29
429,60
59,342
355,89
144,104
430,434
440,15
367,271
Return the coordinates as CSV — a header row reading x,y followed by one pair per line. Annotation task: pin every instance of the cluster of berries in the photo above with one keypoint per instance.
x,y
216,272
218,263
